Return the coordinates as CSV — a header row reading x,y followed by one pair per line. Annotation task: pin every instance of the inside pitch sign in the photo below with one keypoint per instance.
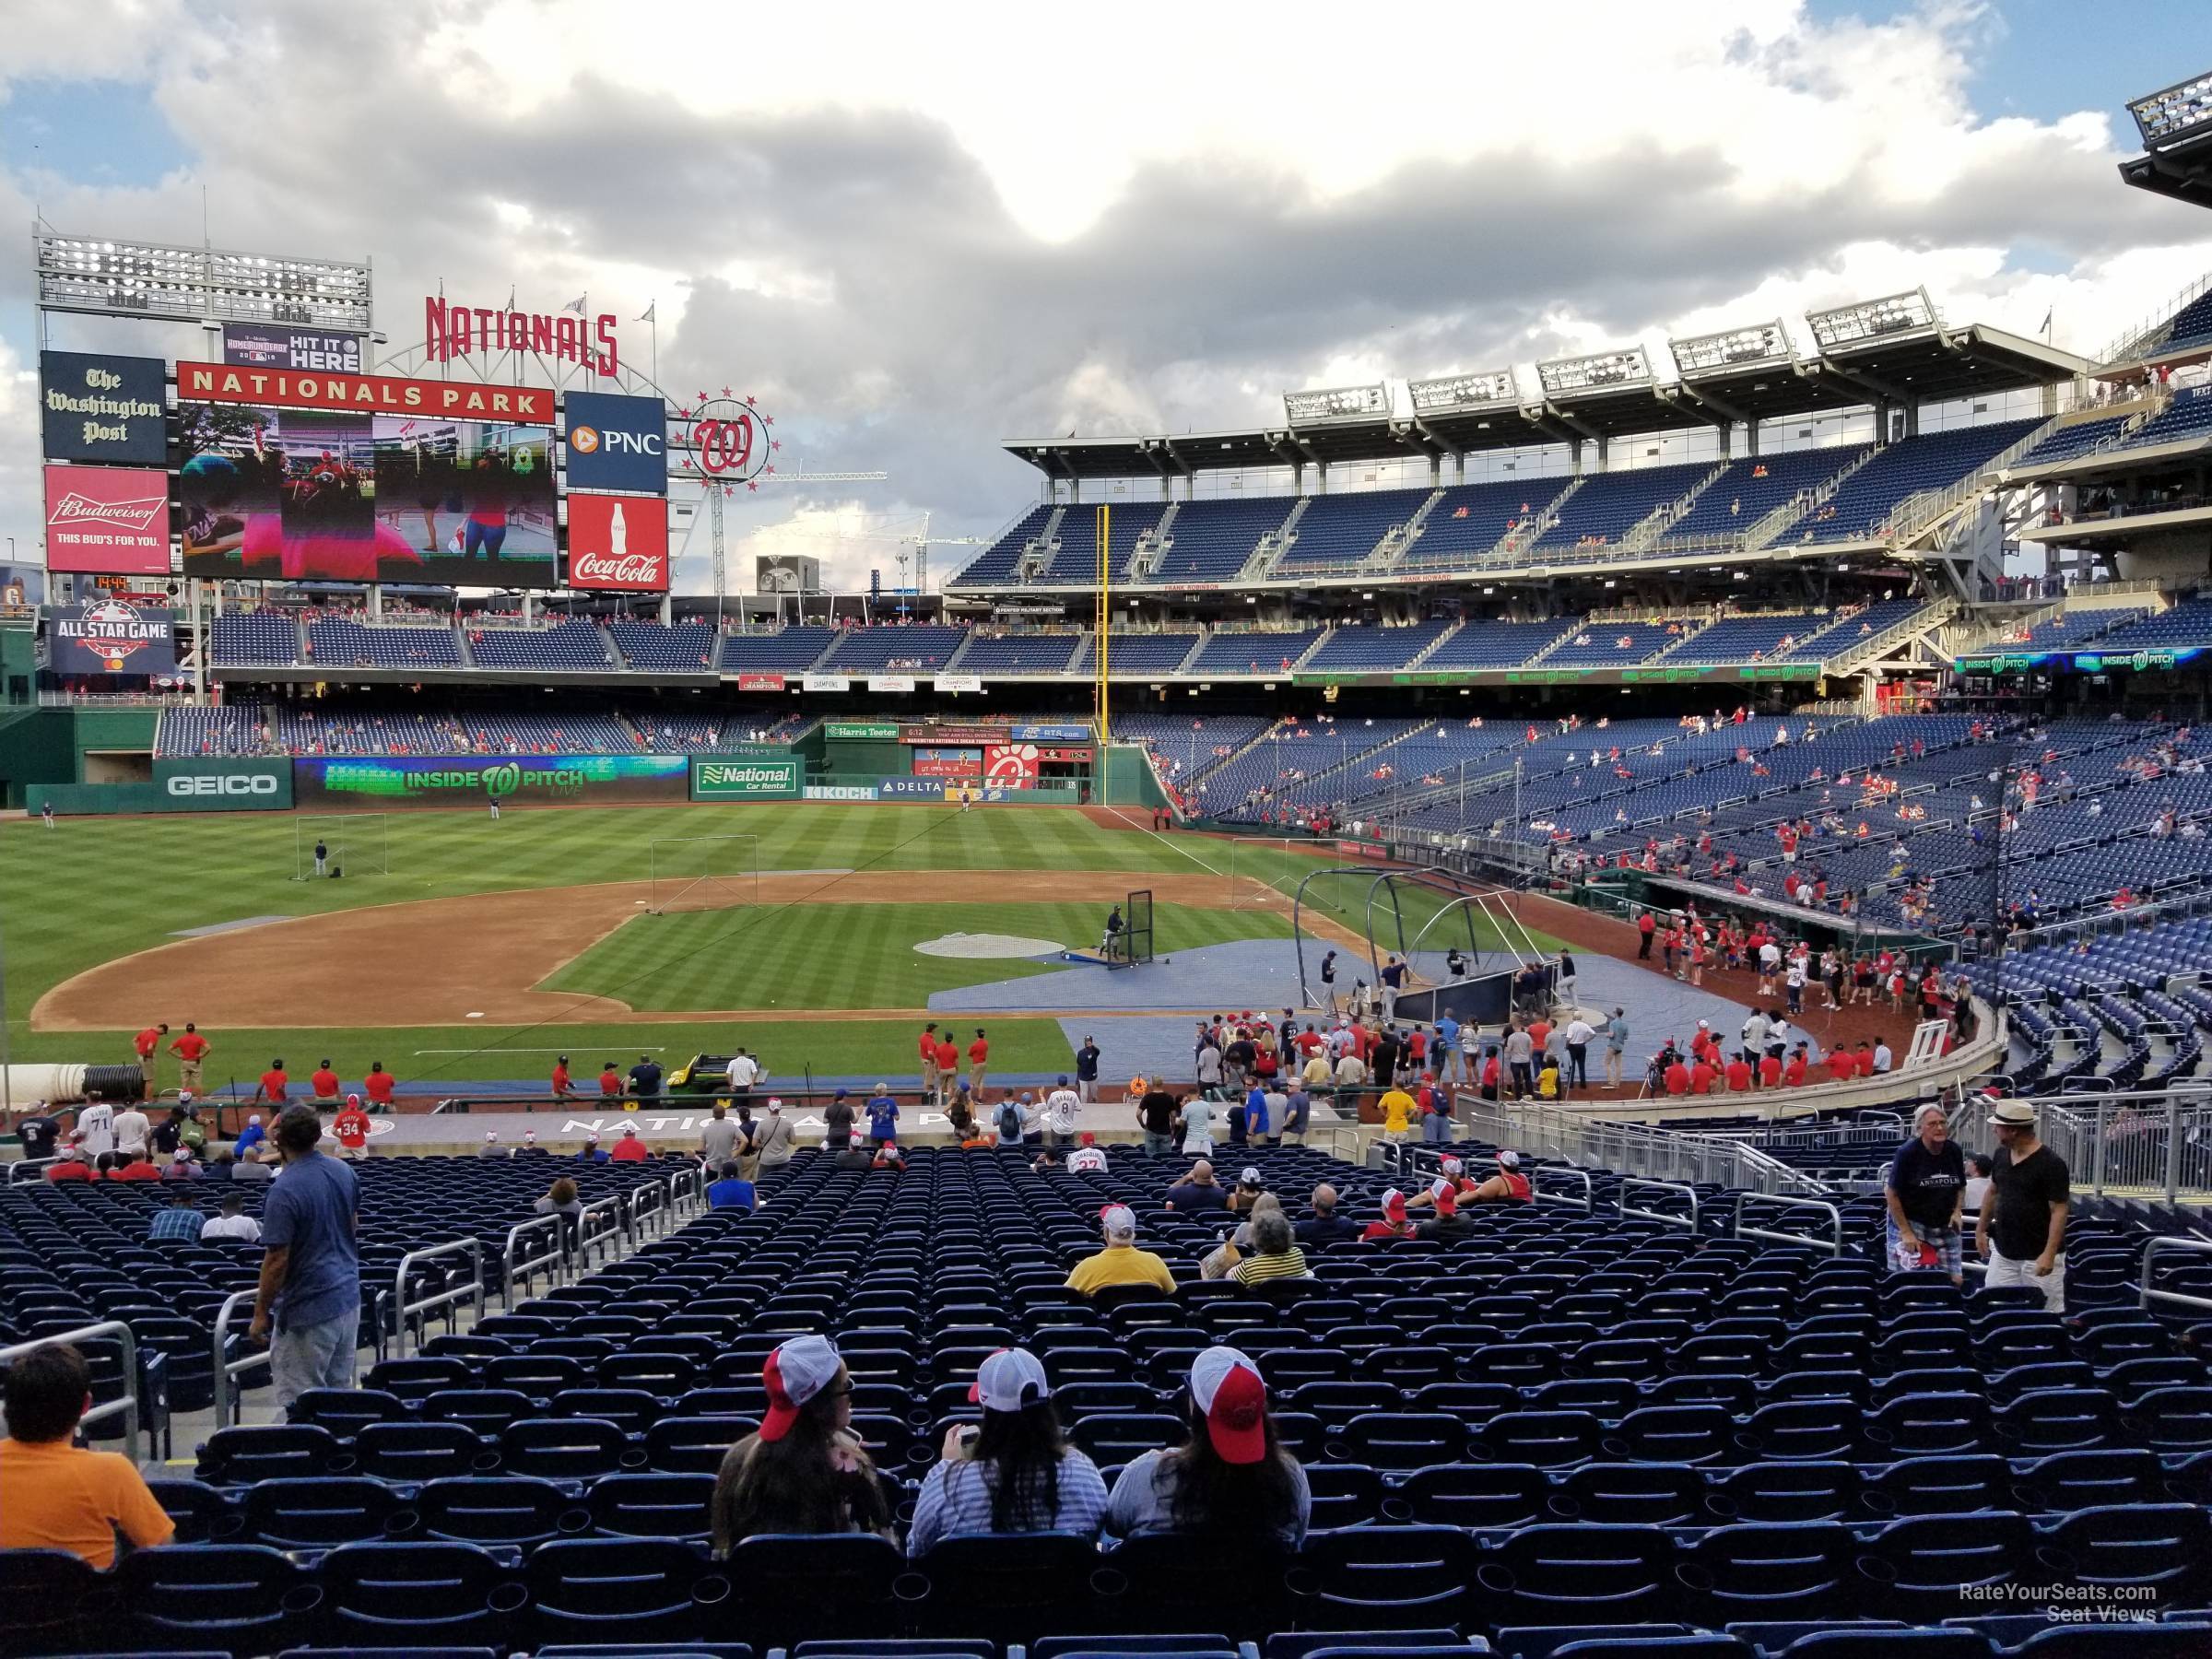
x,y
619,542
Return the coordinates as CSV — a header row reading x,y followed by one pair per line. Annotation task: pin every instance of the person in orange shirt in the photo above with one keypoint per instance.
x,y
273,1082
379,1085
147,1042
979,1062
351,1127
55,1494
324,1082
561,1078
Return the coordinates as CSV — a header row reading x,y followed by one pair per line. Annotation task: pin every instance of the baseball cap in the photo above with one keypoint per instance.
x,y
1509,1161
775,1102
530,1136
1451,1166
629,1129
2012,1114
1446,1196
1009,1379
490,1136
1394,1206
1229,1391
796,1371
253,1117
1118,1219
353,1099
1249,1176
181,1154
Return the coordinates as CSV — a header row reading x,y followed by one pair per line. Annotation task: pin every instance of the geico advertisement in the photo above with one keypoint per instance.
x,y
229,785
517,780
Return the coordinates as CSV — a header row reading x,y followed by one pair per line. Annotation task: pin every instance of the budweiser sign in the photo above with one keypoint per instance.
x,y
109,520
619,542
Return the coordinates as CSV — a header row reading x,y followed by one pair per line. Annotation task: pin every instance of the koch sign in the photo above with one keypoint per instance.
x,y
103,408
260,345
617,442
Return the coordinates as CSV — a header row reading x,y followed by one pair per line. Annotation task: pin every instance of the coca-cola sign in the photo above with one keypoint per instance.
x,y
619,543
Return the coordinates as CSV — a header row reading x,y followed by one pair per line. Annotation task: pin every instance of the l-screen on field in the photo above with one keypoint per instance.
x,y
467,949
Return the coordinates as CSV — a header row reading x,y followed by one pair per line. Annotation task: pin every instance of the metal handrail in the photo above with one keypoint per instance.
x,y
590,1237
128,1406
2172,1297
648,1205
688,1190
30,1168
1663,1217
516,1268
228,1404
1835,1216
403,1309
1587,1202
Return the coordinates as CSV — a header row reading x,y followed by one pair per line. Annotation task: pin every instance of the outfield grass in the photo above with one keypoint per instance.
x,y
852,955
93,889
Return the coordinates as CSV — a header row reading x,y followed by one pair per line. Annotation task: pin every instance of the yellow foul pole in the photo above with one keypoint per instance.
x,y
1100,714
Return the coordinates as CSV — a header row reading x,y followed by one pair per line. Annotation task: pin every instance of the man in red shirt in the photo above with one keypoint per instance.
x,y
1678,1078
948,1065
379,1082
1308,1040
1738,1074
560,1078
71,1167
1841,1067
979,1062
1647,926
273,1082
351,1127
324,1082
140,1168
146,1043
1770,1071
190,1050
629,1148
610,1081
1793,1075
927,1045
1700,1078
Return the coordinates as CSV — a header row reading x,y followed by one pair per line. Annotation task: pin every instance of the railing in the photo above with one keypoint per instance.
x,y
1873,645
688,1191
1773,522
1833,1244
228,1398
1633,1183
517,1268
127,1407
2140,339
1637,1149
2142,1144
603,1228
2171,1299
1584,1197
30,1168
404,1311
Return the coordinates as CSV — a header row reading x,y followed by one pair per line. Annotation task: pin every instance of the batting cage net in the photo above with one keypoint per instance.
x,y
1135,946
704,872
344,843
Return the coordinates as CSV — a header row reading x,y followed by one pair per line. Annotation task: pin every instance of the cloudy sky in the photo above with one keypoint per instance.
x,y
914,232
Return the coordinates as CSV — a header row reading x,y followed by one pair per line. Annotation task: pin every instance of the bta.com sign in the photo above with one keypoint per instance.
x,y
746,779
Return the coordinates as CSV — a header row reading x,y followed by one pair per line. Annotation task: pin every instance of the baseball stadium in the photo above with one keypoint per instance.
x,y
1553,1011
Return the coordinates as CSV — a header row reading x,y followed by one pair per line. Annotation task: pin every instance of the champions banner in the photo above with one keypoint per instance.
x,y
476,781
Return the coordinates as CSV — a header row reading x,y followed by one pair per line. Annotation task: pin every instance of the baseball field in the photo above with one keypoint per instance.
x,y
484,948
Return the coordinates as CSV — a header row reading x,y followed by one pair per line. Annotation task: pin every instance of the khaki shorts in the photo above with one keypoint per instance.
x,y
189,1075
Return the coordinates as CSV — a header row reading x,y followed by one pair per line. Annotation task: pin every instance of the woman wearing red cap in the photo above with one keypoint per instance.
x,y
804,1471
1231,1475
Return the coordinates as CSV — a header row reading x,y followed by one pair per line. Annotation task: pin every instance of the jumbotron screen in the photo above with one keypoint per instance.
x,y
290,494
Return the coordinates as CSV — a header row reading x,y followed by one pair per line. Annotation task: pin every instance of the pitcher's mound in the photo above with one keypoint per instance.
x,y
987,945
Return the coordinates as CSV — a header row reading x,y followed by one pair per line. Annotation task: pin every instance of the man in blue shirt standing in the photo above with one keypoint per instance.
x,y
1446,1054
1255,1109
883,1115
311,1290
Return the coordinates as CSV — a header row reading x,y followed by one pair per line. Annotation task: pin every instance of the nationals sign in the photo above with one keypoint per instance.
x,y
107,519
373,393
619,543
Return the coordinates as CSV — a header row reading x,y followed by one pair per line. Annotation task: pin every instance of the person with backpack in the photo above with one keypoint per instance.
x,y
1009,1121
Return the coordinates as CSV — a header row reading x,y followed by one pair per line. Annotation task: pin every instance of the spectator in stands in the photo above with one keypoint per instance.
x,y
1197,1115
1198,1192
732,1190
1274,1253
138,1166
1013,1474
804,1471
855,1155
1156,1111
775,1137
1925,1193
644,1077
1447,1224
490,1148
182,1221
55,1494
69,1165
1394,1224
610,1081
1508,1186
351,1126
1060,1109
629,1148
2021,1229
309,1305
1231,1479
1325,1225
1979,1167
887,1157
591,1151
719,1137
233,1226
838,1120
1120,1262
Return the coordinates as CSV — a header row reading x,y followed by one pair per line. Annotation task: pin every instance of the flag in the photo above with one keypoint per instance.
x,y
575,305
2046,327
650,310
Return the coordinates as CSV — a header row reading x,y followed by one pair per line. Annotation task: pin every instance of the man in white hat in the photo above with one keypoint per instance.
x,y
1120,1262
492,1148
2021,1230
774,1139
629,1148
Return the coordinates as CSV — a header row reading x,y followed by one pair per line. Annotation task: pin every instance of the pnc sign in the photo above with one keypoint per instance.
x,y
617,442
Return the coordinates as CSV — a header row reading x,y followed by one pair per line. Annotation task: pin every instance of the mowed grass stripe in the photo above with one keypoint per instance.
x,y
842,956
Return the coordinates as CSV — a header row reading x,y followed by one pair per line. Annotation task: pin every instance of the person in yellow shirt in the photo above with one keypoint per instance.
x,y
53,1493
1398,1111
1121,1262
1319,1072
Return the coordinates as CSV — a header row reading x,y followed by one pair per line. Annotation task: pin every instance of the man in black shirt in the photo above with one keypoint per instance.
x,y
41,1135
2022,1228
646,1078
1087,1071
1325,1226
1927,1184
1389,1048
1155,1115
1328,981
